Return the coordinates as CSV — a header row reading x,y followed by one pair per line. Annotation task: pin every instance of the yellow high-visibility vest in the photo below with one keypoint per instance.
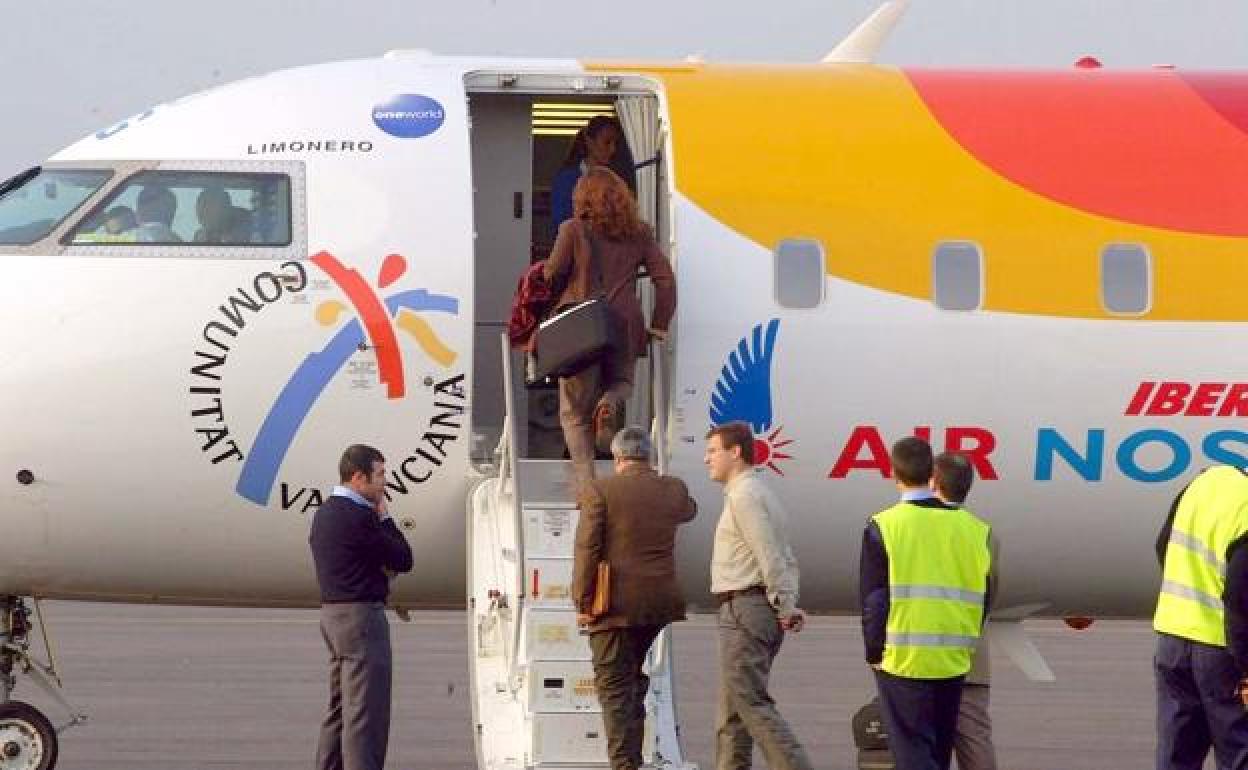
x,y
938,561
1212,514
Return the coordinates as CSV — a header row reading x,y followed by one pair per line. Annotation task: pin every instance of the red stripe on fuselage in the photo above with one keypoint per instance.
x,y
1226,92
1144,148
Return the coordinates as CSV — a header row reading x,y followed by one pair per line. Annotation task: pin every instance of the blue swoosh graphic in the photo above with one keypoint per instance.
x,y
309,380
419,299
743,391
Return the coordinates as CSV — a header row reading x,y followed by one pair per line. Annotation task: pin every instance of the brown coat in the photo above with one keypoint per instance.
x,y
570,266
630,520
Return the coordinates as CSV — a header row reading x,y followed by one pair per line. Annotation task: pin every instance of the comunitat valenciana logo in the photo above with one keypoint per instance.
x,y
366,322
409,116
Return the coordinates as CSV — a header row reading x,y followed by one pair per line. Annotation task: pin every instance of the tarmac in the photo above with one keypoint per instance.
x,y
174,688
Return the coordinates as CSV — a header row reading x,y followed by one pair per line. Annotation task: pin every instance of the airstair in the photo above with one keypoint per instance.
x,y
534,705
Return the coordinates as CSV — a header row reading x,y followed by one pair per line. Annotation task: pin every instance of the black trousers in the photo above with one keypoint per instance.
x,y
618,657
922,718
1198,706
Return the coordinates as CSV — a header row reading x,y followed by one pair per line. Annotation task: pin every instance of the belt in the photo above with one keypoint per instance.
x,y
726,596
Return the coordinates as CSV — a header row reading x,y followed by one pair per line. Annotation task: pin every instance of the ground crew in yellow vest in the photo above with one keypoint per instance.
x,y
1202,624
923,584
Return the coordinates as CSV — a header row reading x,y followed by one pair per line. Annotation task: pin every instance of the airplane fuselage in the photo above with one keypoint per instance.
x,y
1040,269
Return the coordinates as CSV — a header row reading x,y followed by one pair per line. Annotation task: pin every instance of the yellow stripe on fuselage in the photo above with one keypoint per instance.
x,y
850,155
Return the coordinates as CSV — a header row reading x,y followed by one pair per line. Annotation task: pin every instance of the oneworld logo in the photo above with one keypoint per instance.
x,y
409,116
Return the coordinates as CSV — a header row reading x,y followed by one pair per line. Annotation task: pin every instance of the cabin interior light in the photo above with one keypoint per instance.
x,y
566,118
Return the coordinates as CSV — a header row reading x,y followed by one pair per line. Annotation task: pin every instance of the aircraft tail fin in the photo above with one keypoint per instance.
x,y
861,45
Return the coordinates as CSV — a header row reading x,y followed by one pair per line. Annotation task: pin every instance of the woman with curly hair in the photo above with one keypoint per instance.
x,y
597,253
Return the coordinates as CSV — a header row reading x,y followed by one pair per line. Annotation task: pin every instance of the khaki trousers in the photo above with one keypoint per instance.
x,y
749,639
609,380
972,744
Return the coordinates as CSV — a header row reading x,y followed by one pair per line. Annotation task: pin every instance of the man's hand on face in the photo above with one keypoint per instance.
x,y
584,619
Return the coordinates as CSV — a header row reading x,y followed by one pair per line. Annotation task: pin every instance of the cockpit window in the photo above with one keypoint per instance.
x,y
203,208
34,202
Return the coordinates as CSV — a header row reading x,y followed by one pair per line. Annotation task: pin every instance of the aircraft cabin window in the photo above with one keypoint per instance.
x,y
35,202
200,208
1126,278
957,275
800,273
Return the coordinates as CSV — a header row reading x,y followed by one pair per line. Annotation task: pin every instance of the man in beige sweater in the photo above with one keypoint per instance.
x,y
972,743
754,577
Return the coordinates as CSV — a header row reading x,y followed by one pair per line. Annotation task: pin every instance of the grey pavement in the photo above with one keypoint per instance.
x,y
189,688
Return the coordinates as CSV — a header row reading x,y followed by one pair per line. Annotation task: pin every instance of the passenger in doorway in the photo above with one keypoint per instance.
x,y
924,590
157,206
356,549
593,147
628,521
597,253
755,579
972,743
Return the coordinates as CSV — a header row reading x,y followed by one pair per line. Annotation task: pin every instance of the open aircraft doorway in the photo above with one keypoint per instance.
x,y
533,694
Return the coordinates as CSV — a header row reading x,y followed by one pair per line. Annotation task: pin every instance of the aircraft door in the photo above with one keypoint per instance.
x,y
502,175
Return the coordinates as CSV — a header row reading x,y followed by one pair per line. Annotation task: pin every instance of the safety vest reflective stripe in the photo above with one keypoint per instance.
x,y
930,640
1211,516
1187,592
936,592
1184,540
938,564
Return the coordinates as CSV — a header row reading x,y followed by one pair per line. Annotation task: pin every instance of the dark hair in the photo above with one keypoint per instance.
x,y
123,213
157,204
912,461
953,475
596,125
358,457
735,434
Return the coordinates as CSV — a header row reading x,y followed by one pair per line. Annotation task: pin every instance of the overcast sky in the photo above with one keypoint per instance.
x,y
72,66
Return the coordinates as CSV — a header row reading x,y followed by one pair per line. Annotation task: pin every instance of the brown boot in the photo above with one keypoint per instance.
x,y
608,420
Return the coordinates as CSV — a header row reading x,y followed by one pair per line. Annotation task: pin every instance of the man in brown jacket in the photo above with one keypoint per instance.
x,y
630,522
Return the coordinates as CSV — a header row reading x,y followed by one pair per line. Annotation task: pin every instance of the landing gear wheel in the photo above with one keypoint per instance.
x,y
27,738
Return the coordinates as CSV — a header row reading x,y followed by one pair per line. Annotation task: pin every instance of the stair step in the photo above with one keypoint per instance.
x,y
549,481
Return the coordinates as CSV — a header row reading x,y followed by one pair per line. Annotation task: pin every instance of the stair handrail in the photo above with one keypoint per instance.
x,y
658,400
658,439
511,463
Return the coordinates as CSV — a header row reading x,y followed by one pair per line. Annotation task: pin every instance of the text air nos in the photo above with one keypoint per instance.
x,y
1152,453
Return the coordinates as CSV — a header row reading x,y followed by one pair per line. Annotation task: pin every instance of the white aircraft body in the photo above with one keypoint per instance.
x,y
852,267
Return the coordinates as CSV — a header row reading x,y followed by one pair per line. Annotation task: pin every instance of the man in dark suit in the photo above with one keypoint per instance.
x,y
356,548
630,522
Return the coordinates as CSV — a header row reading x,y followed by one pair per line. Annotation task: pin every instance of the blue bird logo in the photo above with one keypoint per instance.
x,y
743,393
